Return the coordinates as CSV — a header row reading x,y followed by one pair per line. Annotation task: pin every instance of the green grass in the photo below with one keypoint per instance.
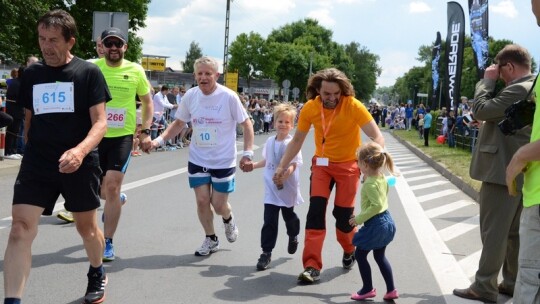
x,y
456,160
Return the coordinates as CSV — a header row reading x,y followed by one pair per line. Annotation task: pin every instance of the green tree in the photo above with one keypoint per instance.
x,y
248,53
18,28
194,53
366,70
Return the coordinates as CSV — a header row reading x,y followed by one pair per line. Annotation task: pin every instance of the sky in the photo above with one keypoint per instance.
x,y
392,29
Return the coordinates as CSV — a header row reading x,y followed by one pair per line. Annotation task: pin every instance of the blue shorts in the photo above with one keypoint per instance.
x,y
222,180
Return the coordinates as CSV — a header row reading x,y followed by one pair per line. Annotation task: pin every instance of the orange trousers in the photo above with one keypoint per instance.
x,y
345,177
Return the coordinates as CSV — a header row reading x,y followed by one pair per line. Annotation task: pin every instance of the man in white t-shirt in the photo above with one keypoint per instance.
x,y
214,110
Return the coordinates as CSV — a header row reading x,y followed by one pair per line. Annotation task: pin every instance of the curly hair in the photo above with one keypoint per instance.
x,y
330,75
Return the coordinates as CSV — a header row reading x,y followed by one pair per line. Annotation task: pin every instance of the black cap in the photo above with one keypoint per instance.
x,y
113,32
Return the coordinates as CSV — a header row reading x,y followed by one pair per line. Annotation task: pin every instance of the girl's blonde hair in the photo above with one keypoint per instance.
x,y
374,156
284,108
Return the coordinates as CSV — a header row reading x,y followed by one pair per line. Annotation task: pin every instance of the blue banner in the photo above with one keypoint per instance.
x,y
435,76
478,13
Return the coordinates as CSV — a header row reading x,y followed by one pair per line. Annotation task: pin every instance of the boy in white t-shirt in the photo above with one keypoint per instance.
x,y
283,197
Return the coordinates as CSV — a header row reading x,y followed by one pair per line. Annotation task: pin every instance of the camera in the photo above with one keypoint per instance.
x,y
519,115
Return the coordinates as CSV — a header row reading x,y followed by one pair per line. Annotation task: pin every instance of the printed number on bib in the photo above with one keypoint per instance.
x,y
116,118
206,137
53,98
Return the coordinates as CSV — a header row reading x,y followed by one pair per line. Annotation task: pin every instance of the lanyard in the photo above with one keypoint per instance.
x,y
325,130
279,153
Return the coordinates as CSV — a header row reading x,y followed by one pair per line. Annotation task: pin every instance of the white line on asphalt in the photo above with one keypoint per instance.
x,y
436,195
444,267
421,177
405,157
429,185
432,213
469,264
418,171
451,232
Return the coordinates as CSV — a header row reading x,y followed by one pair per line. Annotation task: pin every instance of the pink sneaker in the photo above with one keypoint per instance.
x,y
360,297
391,295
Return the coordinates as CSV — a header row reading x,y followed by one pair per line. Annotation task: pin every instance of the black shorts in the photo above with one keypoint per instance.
x,y
115,153
41,187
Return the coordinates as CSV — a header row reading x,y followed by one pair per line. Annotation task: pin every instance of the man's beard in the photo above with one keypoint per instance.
x,y
117,58
329,104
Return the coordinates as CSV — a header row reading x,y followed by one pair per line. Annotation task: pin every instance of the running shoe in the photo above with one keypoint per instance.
x,y
231,230
264,261
123,200
348,260
13,156
95,292
293,244
207,247
66,216
309,275
108,253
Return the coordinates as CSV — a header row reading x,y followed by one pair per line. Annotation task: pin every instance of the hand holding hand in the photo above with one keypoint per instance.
x,y
146,144
246,165
352,221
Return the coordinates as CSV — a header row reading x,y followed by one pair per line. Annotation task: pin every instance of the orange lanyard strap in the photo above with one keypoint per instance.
x,y
325,130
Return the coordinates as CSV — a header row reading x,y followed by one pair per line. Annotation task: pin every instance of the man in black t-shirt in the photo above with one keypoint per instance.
x,y
64,98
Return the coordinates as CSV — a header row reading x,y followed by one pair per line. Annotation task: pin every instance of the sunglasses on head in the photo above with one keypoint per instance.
x,y
117,43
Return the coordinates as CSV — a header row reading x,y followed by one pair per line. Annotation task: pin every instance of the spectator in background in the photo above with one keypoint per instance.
x,y
16,110
384,113
5,119
420,125
409,116
161,103
427,126
499,212
464,105
451,124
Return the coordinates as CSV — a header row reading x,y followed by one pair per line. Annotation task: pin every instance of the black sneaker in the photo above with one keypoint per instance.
x,y
309,275
293,244
264,261
95,292
348,260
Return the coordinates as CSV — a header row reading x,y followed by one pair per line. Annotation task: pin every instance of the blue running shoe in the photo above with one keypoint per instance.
x,y
123,200
108,253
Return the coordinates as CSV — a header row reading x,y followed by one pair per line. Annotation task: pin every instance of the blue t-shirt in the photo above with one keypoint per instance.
x,y
427,121
408,112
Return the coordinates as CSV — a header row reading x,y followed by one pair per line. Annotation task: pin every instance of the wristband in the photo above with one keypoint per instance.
x,y
248,154
160,140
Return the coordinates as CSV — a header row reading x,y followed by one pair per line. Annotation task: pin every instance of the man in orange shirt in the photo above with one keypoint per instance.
x,y
337,118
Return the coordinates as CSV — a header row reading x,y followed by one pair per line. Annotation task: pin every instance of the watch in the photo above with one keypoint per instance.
x,y
146,131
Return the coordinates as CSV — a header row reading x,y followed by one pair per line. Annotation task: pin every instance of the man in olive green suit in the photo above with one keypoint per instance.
x,y
499,212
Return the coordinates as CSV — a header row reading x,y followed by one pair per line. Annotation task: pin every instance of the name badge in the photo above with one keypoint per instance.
x,y
53,98
205,136
116,117
322,161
